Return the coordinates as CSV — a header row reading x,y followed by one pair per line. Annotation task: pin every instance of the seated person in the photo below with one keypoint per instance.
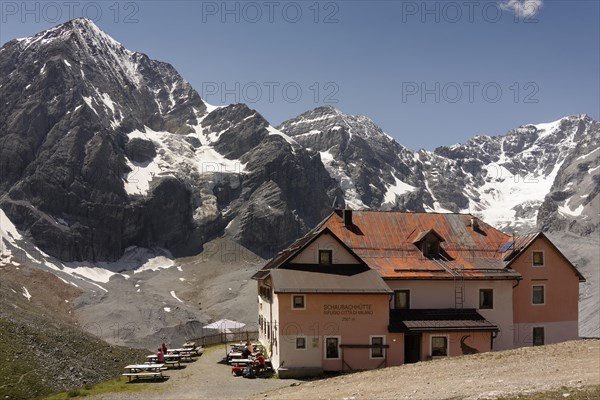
x,y
246,353
160,356
250,347
260,362
248,350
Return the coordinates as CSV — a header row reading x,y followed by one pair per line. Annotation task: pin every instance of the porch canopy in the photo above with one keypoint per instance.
x,y
437,320
225,325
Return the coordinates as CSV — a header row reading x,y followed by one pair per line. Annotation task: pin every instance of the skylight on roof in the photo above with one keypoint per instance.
x,y
506,247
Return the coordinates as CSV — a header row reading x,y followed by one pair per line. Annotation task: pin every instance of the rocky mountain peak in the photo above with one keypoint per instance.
x,y
104,149
333,122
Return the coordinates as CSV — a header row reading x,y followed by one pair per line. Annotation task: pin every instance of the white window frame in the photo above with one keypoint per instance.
x,y
543,259
544,291
479,298
305,343
533,336
339,341
371,337
303,302
319,255
447,345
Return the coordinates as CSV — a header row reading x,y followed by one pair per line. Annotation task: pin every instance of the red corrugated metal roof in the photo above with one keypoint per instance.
x,y
384,240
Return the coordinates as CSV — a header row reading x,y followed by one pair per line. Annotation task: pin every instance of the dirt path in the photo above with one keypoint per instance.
x,y
205,378
480,376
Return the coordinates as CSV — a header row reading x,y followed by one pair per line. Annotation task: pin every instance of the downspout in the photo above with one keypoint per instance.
x,y
513,317
493,336
271,322
518,282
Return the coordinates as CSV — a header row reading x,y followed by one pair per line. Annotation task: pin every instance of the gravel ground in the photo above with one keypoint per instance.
x,y
480,376
205,378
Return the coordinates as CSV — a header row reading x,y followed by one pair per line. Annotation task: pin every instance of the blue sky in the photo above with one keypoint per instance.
x,y
430,73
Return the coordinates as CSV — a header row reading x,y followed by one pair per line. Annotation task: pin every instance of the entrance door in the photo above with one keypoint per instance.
x,y
412,348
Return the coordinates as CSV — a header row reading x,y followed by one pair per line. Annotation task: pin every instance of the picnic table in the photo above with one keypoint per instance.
x,y
189,347
241,361
141,371
183,353
170,359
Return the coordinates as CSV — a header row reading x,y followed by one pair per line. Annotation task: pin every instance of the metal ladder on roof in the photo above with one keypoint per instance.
x,y
459,281
459,288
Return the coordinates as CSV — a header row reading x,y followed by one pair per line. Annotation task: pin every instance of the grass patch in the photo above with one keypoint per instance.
x,y
120,385
581,393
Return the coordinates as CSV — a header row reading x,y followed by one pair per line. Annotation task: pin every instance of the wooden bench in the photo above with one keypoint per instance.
x,y
142,375
173,363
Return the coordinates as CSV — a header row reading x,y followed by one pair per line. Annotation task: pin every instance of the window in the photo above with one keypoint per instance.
x,y
439,346
431,249
537,296
265,292
402,299
486,299
332,349
301,343
325,257
298,302
538,258
538,336
377,352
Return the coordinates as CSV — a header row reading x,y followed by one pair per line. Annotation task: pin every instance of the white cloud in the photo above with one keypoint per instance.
x,y
522,8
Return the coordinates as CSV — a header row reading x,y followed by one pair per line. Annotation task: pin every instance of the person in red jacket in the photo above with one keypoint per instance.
x,y
160,356
164,348
260,362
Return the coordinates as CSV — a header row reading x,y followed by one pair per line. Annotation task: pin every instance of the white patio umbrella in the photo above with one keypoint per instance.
x,y
225,326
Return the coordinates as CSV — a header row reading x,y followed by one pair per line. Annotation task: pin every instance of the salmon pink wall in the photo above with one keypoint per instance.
x,y
561,287
353,318
476,340
554,332
560,312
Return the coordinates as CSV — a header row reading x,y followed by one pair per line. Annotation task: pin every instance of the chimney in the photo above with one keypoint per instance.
x,y
474,223
348,218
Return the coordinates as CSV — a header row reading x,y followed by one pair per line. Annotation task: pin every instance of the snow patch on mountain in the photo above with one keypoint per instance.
x,y
26,293
397,189
8,237
175,157
566,210
337,172
583,157
174,295
547,128
504,191
292,142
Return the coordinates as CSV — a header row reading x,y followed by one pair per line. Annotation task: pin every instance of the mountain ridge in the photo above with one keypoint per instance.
x,y
150,137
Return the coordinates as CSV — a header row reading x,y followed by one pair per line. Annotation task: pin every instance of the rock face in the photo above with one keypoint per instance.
x,y
540,175
364,160
572,204
102,148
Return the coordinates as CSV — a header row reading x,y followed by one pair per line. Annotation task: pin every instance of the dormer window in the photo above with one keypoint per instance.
x,y
325,257
431,249
429,243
